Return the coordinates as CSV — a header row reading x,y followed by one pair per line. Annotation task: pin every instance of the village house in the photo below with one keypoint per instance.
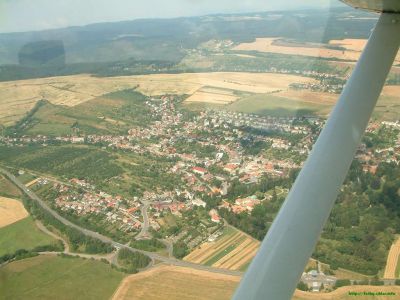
x,y
198,202
199,170
214,216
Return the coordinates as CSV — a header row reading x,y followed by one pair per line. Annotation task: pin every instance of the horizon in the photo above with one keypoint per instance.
x,y
22,16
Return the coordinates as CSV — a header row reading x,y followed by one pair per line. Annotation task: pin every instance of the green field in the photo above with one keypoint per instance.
x,y
67,161
387,108
245,266
220,255
7,189
267,104
52,277
120,172
26,178
112,113
169,220
22,235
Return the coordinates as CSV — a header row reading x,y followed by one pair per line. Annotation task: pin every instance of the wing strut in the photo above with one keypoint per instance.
x,y
286,249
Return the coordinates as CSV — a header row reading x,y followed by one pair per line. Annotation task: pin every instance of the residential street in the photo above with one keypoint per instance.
x,y
153,256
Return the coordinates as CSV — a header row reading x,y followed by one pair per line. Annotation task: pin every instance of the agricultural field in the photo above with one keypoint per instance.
x,y
388,107
297,103
8,189
273,105
63,161
170,282
175,283
213,95
26,178
350,44
100,105
11,211
115,172
112,113
347,49
393,261
343,293
23,234
233,250
53,277
19,97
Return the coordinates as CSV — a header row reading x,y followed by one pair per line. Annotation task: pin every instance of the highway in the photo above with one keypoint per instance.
x,y
105,239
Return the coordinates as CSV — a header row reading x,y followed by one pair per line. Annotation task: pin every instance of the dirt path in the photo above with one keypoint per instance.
x,y
393,257
57,237
111,257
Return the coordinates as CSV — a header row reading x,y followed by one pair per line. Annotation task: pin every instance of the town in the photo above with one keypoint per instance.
x,y
211,151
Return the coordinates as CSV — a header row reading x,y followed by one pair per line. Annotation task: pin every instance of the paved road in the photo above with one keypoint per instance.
x,y
153,256
144,233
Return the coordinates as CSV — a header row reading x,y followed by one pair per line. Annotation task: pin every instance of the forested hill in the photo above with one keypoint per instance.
x,y
168,39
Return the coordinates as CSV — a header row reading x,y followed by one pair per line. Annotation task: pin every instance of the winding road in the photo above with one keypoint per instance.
x,y
105,239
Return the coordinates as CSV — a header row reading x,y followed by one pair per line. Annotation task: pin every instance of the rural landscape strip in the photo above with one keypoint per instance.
x,y
171,261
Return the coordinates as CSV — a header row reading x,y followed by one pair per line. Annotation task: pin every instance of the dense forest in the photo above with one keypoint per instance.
x,y
361,227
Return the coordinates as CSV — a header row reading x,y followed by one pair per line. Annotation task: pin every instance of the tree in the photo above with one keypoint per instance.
x,y
302,286
180,249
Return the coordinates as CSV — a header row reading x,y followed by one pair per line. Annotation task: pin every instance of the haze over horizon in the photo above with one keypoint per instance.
x,y
26,15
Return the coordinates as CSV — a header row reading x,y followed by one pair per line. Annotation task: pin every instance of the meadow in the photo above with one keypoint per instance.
x,y
53,277
303,102
272,105
23,234
7,189
112,113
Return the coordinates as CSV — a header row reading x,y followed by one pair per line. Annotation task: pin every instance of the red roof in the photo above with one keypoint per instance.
x,y
133,209
199,169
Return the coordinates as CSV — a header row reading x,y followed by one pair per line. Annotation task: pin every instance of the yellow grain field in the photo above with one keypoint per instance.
x,y
18,97
350,44
11,211
175,283
393,258
352,48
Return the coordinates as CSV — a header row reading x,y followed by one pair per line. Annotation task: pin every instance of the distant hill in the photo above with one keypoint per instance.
x,y
168,39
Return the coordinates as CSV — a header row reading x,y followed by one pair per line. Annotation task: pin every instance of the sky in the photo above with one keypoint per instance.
x,y
28,15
